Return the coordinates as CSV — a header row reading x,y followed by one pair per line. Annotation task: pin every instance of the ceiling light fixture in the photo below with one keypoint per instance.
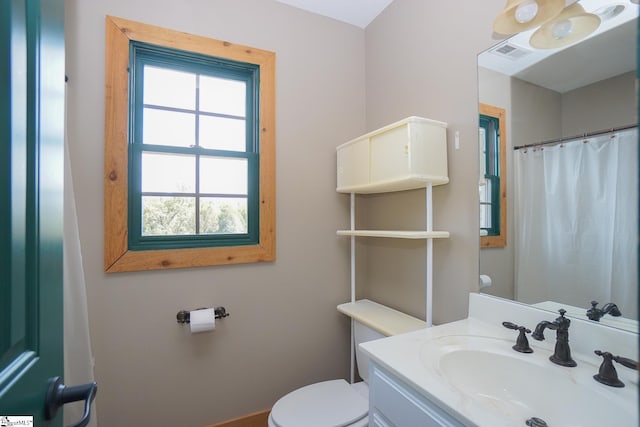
x,y
608,12
568,27
522,15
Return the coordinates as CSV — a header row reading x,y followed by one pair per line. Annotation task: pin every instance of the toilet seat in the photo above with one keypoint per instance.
x,y
326,404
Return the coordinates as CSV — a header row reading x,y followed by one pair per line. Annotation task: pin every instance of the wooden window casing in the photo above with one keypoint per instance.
x,y
117,254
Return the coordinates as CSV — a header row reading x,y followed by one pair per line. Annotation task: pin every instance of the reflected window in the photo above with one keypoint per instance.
x,y
492,176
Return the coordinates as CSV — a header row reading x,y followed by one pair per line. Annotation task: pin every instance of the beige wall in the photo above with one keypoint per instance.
x,y
603,105
284,330
334,82
421,60
495,89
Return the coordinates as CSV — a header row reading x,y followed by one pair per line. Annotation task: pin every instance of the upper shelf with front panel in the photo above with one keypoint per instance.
x,y
404,155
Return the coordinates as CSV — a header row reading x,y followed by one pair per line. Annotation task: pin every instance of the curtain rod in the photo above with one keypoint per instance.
x,y
584,135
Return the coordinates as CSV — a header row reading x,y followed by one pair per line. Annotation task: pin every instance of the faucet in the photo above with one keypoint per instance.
x,y
596,313
562,353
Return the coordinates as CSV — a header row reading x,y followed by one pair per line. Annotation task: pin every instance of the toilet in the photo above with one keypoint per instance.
x,y
336,403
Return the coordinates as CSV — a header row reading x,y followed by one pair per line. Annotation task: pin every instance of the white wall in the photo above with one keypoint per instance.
x,y
284,330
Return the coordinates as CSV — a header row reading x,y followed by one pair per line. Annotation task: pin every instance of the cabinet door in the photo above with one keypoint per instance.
x,y
393,403
390,158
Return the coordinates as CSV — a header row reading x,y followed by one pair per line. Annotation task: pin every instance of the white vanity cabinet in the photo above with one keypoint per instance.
x,y
393,403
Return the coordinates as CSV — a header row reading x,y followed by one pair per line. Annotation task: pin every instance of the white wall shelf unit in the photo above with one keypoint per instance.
x,y
406,155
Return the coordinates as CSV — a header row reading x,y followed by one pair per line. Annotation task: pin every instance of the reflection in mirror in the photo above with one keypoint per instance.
x,y
571,169
492,185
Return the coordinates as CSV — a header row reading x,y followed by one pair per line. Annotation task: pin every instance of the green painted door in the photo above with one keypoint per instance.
x,y
31,204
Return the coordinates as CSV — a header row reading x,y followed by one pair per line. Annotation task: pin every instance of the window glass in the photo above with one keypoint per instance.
x,y
168,173
162,127
223,96
169,88
163,216
223,215
222,133
219,175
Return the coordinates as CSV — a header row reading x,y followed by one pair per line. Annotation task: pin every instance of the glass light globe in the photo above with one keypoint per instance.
x,y
526,11
561,29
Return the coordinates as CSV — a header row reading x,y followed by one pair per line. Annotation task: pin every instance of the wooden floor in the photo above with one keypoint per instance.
x,y
258,419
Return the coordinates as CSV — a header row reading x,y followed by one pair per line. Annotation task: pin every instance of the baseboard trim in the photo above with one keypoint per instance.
x,y
257,419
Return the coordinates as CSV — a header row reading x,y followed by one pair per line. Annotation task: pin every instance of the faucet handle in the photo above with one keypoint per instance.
x,y
607,373
522,343
624,361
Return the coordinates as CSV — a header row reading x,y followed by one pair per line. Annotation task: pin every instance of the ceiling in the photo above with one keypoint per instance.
x,y
523,61
356,12
609,51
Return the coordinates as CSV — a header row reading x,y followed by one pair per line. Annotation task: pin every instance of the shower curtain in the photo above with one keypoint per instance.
x,y
78,358
576,222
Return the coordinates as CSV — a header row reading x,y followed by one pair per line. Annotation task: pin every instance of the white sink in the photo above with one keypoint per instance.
x,y
491,375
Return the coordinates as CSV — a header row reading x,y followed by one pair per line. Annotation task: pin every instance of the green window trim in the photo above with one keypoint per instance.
x,y
142,54
491,128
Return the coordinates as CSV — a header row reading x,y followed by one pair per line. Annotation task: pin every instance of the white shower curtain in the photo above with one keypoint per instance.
x,y
576,222
78,358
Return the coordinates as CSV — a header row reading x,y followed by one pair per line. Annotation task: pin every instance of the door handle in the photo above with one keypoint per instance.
x,y
58,394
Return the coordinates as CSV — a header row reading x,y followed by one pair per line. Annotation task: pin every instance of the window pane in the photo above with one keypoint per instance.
x,y
222,134
485,216
223,96
162,127
220,175
169,88
485,204
168,173
223,215
166,216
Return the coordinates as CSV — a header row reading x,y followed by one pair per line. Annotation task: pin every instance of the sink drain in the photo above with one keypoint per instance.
x,y
536,422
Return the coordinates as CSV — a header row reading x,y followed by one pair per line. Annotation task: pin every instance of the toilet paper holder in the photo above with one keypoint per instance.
x,y
184,316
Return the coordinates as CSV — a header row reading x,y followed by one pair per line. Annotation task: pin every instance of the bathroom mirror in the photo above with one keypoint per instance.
x,y
556,94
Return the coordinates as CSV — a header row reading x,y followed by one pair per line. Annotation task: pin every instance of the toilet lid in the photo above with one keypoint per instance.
x,y
327,404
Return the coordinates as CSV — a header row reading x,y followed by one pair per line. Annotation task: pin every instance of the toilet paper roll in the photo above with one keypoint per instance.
x,y
202,320
485,281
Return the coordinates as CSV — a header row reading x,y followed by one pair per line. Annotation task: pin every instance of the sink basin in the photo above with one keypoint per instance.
x,y
488,373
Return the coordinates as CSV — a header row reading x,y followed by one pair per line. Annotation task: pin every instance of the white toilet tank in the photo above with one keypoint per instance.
x,y
373,321
362,333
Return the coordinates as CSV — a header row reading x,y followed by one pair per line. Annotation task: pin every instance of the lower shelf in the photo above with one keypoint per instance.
x,y
395,234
